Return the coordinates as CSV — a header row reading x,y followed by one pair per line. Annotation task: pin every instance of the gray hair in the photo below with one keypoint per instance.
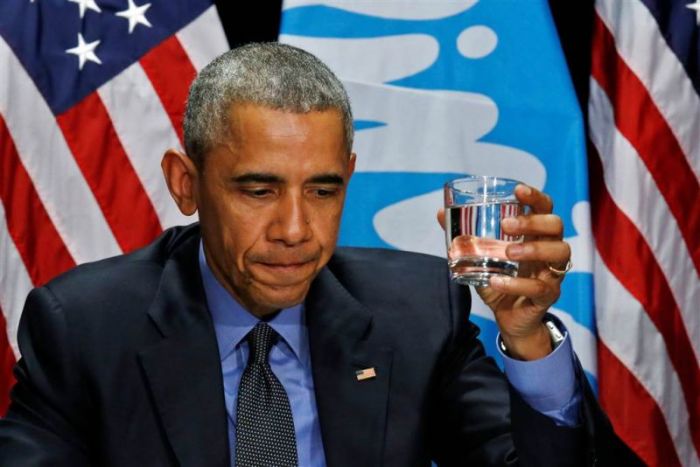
x,y
273,75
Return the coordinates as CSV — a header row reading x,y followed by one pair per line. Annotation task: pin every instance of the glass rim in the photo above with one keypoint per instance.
x,y
476,178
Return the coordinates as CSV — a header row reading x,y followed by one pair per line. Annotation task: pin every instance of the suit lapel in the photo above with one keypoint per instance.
x,y
183,370
352,412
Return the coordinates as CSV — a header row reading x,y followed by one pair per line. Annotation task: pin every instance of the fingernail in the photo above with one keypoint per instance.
x,y
515,251
509,223
499,281
526,190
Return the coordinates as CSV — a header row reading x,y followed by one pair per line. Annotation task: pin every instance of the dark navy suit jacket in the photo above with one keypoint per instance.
x,y
120,367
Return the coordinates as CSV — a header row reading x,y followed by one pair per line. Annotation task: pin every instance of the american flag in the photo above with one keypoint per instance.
x,y
367,373
644,117
92,92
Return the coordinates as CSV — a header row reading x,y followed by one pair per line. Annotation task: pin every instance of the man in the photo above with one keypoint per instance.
x,y
249,340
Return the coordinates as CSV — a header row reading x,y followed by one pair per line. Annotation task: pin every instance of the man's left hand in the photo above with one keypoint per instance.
x,y
519,303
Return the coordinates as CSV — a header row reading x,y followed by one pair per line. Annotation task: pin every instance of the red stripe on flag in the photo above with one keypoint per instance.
x,y
633,263
7,362
639,120
101,157
633,412
39,244
170,71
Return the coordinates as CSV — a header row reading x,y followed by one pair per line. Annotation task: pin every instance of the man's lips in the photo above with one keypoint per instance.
x,y
283,274
289,266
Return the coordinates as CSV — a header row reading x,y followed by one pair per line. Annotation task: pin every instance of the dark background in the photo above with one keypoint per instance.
x,y
259,21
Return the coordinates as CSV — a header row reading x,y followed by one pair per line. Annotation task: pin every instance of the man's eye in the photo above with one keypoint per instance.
x,y
325,192
258,193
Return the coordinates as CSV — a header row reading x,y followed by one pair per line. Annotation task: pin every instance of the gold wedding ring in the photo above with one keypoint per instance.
x,y
560,272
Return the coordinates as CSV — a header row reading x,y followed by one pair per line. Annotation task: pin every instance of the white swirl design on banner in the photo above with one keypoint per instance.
x,y
430,83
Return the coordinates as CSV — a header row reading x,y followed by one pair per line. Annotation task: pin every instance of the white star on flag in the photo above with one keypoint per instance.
x,y
86,4
695,6
135,15
85,52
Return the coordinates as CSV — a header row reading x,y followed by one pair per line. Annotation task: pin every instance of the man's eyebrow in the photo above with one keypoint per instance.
x,y
327,179
256,177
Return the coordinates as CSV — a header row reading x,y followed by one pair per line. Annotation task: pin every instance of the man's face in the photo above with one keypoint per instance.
x,y
270,203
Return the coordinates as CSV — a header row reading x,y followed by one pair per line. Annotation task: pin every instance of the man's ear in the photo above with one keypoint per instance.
x,y
351,164
182,177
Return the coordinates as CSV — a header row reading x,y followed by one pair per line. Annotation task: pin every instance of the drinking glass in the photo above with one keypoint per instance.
x,y
476,244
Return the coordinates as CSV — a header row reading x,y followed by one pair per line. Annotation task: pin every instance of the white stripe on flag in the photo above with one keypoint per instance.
x,y
67,199
638,39
643,204
145,138
15,282
625,328
203,39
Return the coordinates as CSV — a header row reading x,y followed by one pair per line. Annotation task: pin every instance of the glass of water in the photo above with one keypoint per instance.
x,y
476,245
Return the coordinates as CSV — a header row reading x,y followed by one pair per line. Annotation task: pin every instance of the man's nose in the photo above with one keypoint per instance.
x,y
292,225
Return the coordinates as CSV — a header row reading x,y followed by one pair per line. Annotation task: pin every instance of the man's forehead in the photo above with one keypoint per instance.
x,y
283,143
264,127
247,163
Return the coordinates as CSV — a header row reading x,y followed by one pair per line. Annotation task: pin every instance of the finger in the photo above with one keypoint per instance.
x,y
441,218
539,292
551,252
540,202
548,225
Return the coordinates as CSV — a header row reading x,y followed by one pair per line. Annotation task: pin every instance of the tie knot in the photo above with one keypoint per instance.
x,y
260,341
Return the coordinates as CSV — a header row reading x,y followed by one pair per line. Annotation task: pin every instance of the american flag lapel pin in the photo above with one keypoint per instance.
x,y
367,373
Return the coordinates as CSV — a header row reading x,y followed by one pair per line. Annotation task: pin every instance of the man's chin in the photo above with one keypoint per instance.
x,y
273,298
269,290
